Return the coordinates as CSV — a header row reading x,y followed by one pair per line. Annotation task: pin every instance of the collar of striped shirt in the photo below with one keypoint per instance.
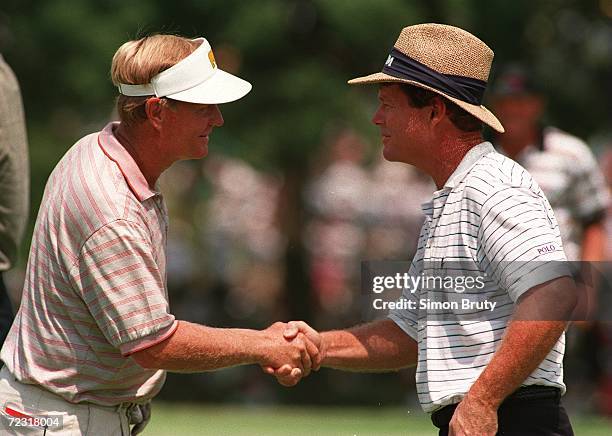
x,y
117,153
468,161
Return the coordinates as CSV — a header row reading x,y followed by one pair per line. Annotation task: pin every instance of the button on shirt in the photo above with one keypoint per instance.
x,y
490,219
95,288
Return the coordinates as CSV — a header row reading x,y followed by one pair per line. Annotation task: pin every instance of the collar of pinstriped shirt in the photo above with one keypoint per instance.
x,y
117,153
468,161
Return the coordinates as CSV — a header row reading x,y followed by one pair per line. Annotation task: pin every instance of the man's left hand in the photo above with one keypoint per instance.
x,y
473,418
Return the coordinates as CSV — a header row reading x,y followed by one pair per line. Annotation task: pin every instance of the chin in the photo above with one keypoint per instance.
x,y
200,153
388,154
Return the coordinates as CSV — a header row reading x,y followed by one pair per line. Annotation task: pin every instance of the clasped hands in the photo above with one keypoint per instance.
x,y
295,350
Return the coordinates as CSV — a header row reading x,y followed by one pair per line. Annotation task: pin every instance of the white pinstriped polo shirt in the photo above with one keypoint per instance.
x,y
95,286
489,213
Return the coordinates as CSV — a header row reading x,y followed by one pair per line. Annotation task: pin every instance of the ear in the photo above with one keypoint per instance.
x,y
437,110
154,108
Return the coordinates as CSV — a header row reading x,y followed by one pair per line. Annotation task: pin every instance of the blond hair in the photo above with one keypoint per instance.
x,y
137,62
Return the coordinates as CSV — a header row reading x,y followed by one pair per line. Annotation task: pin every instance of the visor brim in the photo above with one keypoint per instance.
x,y
222,87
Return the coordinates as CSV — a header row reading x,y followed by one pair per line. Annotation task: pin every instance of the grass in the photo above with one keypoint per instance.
x,y
191,419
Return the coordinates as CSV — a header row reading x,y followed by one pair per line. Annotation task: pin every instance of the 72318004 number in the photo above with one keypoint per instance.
x,y
34,421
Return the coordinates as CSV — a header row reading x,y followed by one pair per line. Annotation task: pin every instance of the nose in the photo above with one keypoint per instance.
x,y
217,118
377,118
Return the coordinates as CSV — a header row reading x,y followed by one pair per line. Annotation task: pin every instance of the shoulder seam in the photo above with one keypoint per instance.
x,y
91,235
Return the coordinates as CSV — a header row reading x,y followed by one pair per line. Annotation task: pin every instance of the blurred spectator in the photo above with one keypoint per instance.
x,y
567,171
225,260
606,167
358,213
14,183
604,386
394,209
336,234
561,164
227,242
187,278
243,236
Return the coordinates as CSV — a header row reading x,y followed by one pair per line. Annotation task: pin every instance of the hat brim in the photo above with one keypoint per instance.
x,y
479,111
222,87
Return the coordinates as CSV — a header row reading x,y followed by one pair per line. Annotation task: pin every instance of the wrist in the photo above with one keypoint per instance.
x,y
257,346
482,398
329,349
323,349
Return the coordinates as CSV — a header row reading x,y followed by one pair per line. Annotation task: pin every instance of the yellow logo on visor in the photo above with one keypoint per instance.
x,y
211,58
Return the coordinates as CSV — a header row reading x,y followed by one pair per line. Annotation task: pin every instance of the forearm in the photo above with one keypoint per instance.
x,y
538,321
378,346
195,348
524,346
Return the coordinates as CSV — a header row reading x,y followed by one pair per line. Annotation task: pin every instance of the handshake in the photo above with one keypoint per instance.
x,y
293,350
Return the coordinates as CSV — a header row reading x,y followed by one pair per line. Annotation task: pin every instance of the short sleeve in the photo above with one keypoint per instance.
x,y
119,280
407,318
519,244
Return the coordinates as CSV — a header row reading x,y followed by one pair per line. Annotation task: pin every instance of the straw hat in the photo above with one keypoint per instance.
x,y
444,59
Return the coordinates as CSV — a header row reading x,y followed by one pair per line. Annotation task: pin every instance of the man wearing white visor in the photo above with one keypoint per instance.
x,y
94,336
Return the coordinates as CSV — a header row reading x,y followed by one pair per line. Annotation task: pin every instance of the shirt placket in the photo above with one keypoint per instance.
x,y
428,209
432,218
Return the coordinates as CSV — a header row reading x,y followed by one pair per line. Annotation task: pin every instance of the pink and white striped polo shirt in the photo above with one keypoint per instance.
x,y
95,287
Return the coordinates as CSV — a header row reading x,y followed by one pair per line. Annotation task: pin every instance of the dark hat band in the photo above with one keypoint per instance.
x,y
463,88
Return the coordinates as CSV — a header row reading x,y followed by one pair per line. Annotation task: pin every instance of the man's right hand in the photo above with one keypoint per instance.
x,y
286,374
290,351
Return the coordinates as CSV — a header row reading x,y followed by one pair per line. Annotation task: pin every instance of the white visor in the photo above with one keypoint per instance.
x,y
195,79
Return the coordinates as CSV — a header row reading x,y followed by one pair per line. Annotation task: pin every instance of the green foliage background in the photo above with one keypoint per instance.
x,y
298,54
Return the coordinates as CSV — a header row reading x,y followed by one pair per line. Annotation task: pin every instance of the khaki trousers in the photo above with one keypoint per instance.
x,y
60,417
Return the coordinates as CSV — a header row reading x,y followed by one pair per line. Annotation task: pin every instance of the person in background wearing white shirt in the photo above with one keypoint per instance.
x,y
562,164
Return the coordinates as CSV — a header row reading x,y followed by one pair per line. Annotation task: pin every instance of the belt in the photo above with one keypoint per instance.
x,y
442,417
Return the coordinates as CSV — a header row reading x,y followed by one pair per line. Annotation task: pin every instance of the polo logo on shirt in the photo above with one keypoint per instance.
x,y
548,248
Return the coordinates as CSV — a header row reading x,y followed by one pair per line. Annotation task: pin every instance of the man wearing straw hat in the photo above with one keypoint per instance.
x,y
94,336
492,371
